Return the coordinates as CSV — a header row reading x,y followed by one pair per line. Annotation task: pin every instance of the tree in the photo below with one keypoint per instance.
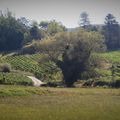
x,y
52,27
55,27
84,20
44,24
25,23
71,52
112,32
34,32
11,34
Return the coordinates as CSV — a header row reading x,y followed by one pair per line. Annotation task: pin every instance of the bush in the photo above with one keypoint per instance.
x,y
30,49
52,84
88,82
116,83
101,83
104,81
5,68
38,75
102,72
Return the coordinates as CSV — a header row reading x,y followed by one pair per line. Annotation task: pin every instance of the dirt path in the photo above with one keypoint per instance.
x,y
36,82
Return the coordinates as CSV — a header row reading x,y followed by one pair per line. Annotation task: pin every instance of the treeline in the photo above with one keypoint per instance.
x,y
17,32
110,29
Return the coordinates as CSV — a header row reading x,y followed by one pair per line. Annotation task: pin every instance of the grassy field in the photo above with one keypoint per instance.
x,y
112,56
60,104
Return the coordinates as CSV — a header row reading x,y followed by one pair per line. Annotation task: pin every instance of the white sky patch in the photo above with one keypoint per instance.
x,y
65,11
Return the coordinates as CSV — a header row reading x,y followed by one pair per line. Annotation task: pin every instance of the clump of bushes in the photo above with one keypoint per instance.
x,y
30,48
102,83
38,75
52,84
6,68
88,82
116,83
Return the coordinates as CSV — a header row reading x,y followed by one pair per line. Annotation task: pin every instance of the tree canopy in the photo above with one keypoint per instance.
x,y
84,20
11,32
112,32
71,52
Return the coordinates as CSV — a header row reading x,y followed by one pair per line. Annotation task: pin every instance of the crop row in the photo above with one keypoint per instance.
x,y
27,63
14,79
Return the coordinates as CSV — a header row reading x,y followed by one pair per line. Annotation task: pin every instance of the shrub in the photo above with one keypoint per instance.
x,y
30,48
52,84
115,83
101,83
88,82
38,75
5,68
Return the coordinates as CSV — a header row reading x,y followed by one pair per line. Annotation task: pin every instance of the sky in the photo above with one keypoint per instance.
x,y
65,11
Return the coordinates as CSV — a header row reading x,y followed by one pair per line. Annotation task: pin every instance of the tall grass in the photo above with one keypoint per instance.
x,y
63,104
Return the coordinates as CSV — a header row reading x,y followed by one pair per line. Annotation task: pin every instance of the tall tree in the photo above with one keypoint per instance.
x,y
71,52
11,32
25,23
55,27
34,31
112,32
44,24
84,20
52,27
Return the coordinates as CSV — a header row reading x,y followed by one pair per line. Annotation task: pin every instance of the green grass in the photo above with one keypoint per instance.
x,y
14,79
112,56
63,104
6,91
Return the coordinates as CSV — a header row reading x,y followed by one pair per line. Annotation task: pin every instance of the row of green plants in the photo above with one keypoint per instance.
x,y
30,63
105,77
14,79
112,56
103,82
27,63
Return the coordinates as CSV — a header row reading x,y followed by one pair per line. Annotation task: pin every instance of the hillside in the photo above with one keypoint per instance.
x,y
112,56
24,65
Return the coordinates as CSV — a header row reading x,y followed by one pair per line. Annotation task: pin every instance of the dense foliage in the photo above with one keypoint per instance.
x,y
112,32
14,79
69,53
75,50
11,32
